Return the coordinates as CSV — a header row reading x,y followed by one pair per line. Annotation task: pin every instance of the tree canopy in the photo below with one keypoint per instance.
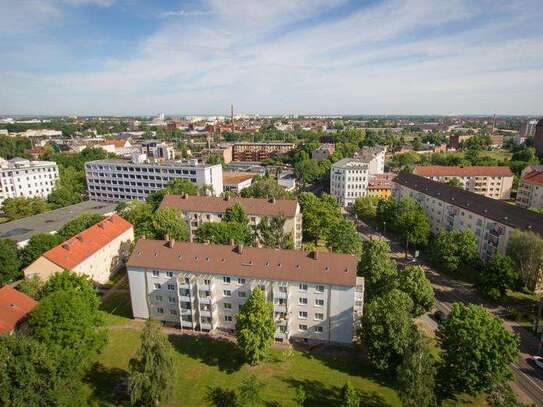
x,y
77,225
526,250
414,283
265,187
455,249
9,261
169,222
22,207
377,268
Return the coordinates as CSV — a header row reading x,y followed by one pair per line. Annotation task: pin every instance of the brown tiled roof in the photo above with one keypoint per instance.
x,y
14,306
534,177
499,211
471,171
211,204
229,178
73,251
264,263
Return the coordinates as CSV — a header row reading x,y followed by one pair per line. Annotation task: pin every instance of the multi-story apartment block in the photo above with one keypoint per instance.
x,y
21,177
448,208
530,190
259,151
490,181
202,209
315,296
375,157
349,180
123,180
222,150
158,150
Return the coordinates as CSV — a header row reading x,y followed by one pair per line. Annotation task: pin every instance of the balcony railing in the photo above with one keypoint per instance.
x,y
205,300
280,294
280,307
208,326
186,324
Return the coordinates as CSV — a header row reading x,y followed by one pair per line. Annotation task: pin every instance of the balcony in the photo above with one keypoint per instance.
x,y
281,336
206,326
186,324
280,307
184,298
184,286
205,300
280,294
186,311
281,321
206,313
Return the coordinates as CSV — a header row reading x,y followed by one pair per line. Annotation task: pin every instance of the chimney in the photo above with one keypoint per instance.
x,y
110,219
66,246
166,237
315,254
185,196
232,243
80,238
227,197
239,248
272,200
101,225
171,243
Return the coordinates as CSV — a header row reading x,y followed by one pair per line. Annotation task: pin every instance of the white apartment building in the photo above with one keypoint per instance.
x,y
201,287
123,180
491,181
375,157
448,208
349,180
30,179
201,209
530,189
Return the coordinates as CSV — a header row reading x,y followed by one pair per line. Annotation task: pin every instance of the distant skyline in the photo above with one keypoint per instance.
x,y
144,57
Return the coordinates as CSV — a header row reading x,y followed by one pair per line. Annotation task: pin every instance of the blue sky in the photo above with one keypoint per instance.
x,y
271,56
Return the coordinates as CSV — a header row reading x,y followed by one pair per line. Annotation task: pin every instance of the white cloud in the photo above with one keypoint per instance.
x,y
184,13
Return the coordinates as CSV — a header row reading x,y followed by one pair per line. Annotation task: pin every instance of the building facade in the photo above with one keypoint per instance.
x,y
202,287
448,208
120,180
491,181
237,181
349,180
202,209
323,152
14,309
538,138
24,178
259,151
530,190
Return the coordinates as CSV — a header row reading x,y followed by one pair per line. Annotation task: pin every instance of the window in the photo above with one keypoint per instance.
x,y
302,287
160,310
169,273
171,287
207,282
227,305
157,286
226,280
156,273
302,314
302,301
319,303
319,288
302,327
158,297
318,329
227,293
319,316
228,318
241,281
172,299
262,287
173,312
242,294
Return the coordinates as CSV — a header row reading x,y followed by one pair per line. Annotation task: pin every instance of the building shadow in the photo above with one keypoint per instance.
x,y
109,385
213,352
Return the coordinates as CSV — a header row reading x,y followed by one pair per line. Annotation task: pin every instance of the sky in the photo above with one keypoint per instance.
x,y
143,57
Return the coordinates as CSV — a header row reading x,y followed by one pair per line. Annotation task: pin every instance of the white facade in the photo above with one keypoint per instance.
x,y
349,180
24,178
119,180
530,191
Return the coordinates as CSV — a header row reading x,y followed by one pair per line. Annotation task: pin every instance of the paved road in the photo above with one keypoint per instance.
x,y
529,379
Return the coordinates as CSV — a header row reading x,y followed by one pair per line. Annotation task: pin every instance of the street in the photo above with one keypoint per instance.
x,y
529,379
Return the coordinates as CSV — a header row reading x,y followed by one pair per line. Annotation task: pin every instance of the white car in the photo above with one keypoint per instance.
x,y
538,361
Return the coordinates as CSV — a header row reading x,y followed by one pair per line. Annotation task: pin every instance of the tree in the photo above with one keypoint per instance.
x,y
386,328
497,275
414,283
66,280
366,207
301,396
250,392
236,214
139,214
224,233
270,232
526,250
416,373
377,268
455,249
411,223
265,187
321,215
344,238
307,171
502,395
31,287
31,375
455,182
220,397
21,207
77,225
152,370
255,327
169,222
68,188
349,396
177,186
477,350
37,245
9,261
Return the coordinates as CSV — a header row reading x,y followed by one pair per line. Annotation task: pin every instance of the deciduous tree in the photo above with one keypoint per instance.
x,y
250,391
77,225
343,237
9,261
414,283
37,245
497,275
271,233
366,207
377,268
350,397
224,233
169,222
21,207
455,249
526,250
236,214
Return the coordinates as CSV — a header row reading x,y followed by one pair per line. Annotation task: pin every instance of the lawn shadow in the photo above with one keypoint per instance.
x,y
118,304
211,351
109,385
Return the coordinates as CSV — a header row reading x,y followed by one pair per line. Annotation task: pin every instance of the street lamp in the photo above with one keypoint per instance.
x,y
384,227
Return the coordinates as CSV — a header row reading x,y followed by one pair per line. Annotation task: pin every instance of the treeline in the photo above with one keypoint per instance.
x,y
11,147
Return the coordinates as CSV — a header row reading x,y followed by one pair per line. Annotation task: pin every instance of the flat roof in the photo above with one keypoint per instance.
x,y
250,262
22,229
468,171
231,178
499,211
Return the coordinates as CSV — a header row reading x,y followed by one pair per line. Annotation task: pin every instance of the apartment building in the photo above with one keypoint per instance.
x,y
491,181
237,181
124,180
530,190
222,150
380,185
158,150
349,180
14,309
97,252
201,287
448,208
20,177
323,152
375,157
202,209
259,151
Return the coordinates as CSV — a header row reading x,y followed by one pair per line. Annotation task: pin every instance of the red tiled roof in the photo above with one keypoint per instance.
x,y
14,306
211,204
73,251
253,262
534,177
229,178
116,143
471,171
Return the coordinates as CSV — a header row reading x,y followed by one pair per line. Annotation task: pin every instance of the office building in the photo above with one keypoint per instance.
x,y
259,151
316,296
530,190
202,209
448,208
24,178
123,180
491,181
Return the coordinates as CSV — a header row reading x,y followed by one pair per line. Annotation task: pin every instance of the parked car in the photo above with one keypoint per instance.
x,y
538,361
439,316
